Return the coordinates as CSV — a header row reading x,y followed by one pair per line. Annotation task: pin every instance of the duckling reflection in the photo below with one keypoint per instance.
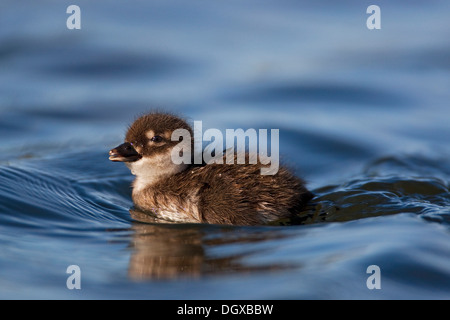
x,y
162,251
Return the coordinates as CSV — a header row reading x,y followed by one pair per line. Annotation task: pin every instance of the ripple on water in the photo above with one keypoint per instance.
x,y
55,200
393,191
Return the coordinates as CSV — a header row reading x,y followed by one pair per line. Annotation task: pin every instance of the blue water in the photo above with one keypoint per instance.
x,y
363,117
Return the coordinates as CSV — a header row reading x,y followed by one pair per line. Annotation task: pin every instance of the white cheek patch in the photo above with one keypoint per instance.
x,y
138,148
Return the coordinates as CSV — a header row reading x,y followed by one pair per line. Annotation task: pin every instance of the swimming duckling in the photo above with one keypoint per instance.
x,y
235,194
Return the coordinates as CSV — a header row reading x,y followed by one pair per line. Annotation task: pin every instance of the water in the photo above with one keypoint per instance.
x,y
363,117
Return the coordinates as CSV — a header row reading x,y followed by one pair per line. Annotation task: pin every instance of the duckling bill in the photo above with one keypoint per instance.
x,y
235,194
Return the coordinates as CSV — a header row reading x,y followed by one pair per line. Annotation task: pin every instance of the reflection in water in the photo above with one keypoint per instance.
x,y
162,251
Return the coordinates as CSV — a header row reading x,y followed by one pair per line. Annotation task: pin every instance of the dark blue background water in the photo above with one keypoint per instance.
x,y
363,116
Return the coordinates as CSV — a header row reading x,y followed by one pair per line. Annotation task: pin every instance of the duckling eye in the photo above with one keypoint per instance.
x,y
156,139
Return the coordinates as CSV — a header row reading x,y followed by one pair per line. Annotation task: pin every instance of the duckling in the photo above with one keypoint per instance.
x,y
233,194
